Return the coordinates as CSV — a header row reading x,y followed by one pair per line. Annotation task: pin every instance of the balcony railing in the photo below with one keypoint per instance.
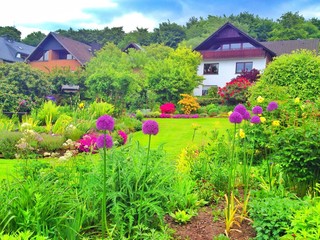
x,y
239,53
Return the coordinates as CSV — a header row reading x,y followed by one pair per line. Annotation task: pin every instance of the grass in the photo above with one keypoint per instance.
x,y
174,135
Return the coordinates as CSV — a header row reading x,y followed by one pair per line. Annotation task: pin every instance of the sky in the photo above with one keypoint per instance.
x,y
40,15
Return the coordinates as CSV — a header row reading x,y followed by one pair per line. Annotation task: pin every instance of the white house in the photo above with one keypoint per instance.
x,y
229,51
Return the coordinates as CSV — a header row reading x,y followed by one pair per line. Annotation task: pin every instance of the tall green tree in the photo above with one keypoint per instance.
x,y
34,38
21,87
10,32
170,34
174,75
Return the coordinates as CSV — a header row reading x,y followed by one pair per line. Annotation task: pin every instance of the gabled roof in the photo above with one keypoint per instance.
x,y
132,45
9,50
282,47
53,41
229,32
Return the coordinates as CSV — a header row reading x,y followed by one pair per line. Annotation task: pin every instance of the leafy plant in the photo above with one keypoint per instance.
x,y
189,103
182,216
8,141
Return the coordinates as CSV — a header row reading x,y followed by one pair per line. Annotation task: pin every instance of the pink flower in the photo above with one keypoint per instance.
x,y
235,117
272,106
124,136
257,110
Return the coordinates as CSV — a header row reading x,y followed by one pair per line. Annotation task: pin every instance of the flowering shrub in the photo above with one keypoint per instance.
x,y
88,143
189,103
168,108
235,91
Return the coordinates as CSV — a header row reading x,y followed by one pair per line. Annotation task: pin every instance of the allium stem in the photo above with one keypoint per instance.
x,y
104,191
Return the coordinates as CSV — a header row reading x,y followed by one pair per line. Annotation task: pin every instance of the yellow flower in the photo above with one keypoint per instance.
x,y
195,126
229,113
241,133
81,105
263,119
296,100
260,99
276,123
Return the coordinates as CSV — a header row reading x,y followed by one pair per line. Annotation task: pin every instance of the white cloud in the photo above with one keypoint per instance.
x,y
131,21
310,12
32,12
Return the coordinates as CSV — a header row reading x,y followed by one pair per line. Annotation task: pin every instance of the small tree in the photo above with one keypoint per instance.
x,y
189,103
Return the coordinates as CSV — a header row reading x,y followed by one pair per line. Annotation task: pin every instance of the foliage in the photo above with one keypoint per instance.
x,y
234,92
251,75
168,108
272,215
48,113
51,143
181,217
34,38
296,75
97,109
174,75
20,83
61,124
188,103
8,141
305,222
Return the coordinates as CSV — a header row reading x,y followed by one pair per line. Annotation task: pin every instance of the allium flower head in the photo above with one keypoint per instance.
x,y
272,106
260,99
240,108
235,117
104,140
150,127
255,120
246,115
257,110
105,122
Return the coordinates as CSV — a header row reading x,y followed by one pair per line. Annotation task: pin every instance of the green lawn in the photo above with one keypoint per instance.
x,y
174,134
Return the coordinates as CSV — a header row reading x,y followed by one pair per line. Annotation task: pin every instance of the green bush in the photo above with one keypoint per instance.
x,y
61,124
51,143
8,141
305,223
272,215
48,113
293,75
97,109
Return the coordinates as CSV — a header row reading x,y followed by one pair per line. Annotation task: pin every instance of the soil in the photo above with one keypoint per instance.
x,y
209,223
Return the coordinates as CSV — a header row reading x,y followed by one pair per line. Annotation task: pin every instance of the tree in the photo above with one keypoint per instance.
x,y
174,75
21,85
10,32
140,36
34,38
171,34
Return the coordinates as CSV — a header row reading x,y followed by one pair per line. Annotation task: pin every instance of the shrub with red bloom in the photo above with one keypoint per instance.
x,y
257,110
87,143
272,106
150,127
235,91
105,123
104,140
123,136
235,117
168,108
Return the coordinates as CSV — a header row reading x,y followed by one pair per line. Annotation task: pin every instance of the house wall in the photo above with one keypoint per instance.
x,y
227,69
47,66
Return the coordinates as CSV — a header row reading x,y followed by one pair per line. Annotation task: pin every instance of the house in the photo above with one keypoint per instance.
x,y
133,46
229,51
12,51
58,51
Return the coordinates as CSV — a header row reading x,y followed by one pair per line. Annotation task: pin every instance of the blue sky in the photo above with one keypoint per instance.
x,y
39,15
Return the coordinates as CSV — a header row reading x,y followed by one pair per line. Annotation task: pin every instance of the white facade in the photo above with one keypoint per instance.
x,y
226,71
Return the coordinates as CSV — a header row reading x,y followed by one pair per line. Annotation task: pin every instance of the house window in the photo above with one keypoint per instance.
x,y
243,66
211,68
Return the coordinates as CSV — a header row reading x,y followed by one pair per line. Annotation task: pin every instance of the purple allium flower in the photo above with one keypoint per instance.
x,y
240,108
255,120
257,110
104,140
123,135
105,122
235,117
246,115
272,106
150,127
